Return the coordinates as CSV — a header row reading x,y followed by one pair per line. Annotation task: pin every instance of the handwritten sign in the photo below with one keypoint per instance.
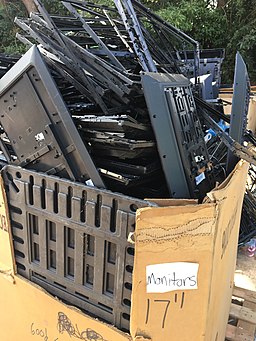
x,y
40,332
88,334
65,325
163,307
167,277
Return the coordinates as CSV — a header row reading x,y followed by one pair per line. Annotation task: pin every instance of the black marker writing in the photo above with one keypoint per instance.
x,y
228,231
3,223
170,280
182,300
165,311
65,325
39,332
148,309
178,300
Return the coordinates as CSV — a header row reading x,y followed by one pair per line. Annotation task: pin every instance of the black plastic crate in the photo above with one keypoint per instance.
x,y
71,239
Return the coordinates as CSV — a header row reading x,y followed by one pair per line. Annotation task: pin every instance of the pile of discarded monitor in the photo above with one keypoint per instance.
x,y
107,107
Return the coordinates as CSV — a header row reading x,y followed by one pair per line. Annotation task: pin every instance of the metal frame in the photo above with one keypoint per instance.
x,y
165,27
134,30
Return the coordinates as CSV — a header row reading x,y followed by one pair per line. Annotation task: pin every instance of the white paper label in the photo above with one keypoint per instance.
x,y
39,137
167,277
200,178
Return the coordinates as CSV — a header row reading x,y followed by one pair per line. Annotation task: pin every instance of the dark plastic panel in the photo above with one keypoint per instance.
x,y
72,240
179,135
37,122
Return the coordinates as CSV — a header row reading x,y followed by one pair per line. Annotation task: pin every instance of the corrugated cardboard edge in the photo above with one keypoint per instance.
x,y
7,263
220,297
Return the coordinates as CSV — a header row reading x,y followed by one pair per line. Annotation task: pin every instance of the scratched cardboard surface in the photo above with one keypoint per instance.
x,y
200,234
29,314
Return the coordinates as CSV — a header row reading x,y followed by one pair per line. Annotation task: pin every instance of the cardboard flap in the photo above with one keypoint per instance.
x,y
29,313
184,266
164,237
173,202
230,201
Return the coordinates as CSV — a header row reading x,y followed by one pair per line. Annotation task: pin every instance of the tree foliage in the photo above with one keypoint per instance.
x,y
214,23
240,34
230,24
202,22
8,11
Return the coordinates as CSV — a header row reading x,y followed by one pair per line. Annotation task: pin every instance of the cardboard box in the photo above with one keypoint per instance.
x,y
201,237
227,97
184,265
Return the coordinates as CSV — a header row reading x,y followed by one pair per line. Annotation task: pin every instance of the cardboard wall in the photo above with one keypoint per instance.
x,y
228,96
30,314
229,199
205,235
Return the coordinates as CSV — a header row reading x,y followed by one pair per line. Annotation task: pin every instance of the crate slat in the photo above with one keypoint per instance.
x,y
245,315
242,313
